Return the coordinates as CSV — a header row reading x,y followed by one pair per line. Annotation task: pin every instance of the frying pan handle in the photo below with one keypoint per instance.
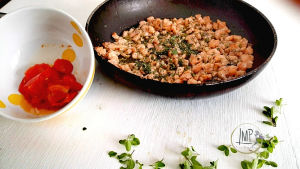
x,y
2,14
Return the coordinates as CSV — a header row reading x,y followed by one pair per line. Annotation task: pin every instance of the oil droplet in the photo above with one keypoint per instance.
x,y
15,99
29,109
77,40
19,100
2,105
69,54
75,26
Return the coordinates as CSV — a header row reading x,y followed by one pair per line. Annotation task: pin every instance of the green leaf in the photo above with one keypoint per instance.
x,y
260,163
135,141
264,154
187,152
270,149
222,148
226,152
233,150
128,145
123,155
198,167
214,164
267,111
194,161
254,164
268,123
130,164
246,164
278,102
158,164
275,140
131,137
271,163
225,149
122,142
185,165
112,154
274,121
259,140
272,111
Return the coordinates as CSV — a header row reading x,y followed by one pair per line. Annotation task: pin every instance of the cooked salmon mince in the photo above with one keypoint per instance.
x,y
193,50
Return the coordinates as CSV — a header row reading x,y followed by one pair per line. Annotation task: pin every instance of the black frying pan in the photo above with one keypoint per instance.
x,y
242,18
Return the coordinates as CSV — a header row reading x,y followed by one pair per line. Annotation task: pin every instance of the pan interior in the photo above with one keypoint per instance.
x,y
242,19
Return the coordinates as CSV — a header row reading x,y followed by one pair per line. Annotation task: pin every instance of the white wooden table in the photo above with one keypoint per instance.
x,y
111,111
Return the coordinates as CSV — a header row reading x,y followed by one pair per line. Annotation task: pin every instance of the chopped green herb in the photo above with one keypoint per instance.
x,y
146,67
206,40
180,62
174,52
172,66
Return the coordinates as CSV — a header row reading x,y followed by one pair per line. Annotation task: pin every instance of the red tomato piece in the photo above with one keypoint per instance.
x,y
35,86
21,86
57,94
49,87
35,70
63,66
70,97
70,80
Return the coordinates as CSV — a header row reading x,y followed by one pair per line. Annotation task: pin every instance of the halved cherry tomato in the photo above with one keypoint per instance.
x,y
63,66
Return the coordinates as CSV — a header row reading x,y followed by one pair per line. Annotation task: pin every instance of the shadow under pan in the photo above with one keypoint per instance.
x,y
241,18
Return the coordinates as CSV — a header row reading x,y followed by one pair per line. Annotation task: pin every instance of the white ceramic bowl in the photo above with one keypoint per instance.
x,y
40,35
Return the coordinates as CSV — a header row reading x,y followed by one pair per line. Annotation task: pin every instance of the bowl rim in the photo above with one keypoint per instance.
x,y
87,83
212,83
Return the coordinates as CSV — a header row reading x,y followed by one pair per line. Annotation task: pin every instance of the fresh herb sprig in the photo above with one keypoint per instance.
x,y
191,162
226,149
270,112
126,158
267,146
130,141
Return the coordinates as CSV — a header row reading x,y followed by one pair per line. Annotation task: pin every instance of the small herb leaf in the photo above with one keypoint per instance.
x,y
233,150
112,154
